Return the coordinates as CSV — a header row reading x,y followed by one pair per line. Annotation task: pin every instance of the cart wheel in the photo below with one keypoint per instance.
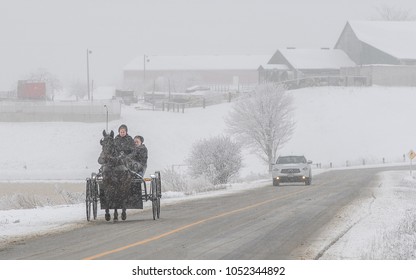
x,y
158,207
158,191
154,198
88,199
158,183
94,188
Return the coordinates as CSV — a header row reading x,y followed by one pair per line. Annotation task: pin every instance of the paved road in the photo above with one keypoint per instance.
x,y
263,223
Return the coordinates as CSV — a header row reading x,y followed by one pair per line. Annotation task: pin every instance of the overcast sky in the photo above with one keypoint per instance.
x,y
55,34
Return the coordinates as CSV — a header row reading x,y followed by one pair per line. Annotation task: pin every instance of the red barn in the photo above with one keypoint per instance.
x,y
31,90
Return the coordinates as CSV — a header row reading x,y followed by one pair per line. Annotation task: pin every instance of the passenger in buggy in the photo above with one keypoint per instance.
x,y
123,141
139,155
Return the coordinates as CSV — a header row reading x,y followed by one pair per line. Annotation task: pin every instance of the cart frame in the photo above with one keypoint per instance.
x,y
95,192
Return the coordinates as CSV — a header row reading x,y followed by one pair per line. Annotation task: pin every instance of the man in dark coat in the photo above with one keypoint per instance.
x,y
123,141
139,155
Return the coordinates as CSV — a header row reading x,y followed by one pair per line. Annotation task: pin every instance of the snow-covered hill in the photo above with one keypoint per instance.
x,y
334,125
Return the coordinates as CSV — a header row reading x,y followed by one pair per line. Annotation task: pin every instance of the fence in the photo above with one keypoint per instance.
x,y
70,111
225,88
7,95
221,93
178,102
362,162
315,81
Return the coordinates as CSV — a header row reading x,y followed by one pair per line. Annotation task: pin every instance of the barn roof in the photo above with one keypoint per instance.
x,y
198,62
273,67
397,38
312,58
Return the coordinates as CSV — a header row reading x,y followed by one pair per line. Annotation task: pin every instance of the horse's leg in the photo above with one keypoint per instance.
x,y
107,196
123,207
123,212
107,211
126,194
115,215
107,214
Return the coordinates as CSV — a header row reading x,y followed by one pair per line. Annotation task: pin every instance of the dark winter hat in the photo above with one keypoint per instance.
x,y
123,126
140,137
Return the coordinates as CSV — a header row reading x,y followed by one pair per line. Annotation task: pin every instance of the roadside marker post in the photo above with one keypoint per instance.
x,y
411,155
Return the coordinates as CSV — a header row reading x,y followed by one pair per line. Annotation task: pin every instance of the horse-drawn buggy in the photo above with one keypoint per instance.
x,y
118,185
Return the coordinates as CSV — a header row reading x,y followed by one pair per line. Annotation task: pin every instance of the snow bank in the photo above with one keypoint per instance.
x,y
382,227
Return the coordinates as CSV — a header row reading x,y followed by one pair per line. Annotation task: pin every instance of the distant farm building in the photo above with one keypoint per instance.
x,y
294,64
384,51
305,67
366,52
34,90
176,73
379,42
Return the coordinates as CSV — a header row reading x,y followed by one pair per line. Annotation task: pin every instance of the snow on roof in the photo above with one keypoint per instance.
x,y
274,67
397,38
198,62
313,58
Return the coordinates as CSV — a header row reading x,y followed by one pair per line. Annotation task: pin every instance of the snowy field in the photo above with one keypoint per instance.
x,y
334,125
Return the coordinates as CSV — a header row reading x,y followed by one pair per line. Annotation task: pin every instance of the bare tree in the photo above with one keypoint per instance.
x,y
263,121
391,13
78,89
51,81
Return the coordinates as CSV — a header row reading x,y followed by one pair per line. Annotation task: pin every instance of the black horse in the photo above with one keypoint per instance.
x,y
117,178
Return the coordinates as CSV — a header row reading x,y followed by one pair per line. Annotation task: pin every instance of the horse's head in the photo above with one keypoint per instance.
x,y
108,143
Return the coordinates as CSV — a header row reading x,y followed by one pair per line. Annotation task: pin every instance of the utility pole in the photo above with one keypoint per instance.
x,y
145,59
88,73
144,73
106,126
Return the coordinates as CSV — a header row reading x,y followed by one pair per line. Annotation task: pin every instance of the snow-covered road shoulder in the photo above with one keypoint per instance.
x,y
380,227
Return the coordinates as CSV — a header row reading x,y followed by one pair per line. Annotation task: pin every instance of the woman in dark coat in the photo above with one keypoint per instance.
x,y
139,154
123,141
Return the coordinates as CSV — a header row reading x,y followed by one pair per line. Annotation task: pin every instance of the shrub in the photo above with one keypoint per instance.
x,y
217,159
180,182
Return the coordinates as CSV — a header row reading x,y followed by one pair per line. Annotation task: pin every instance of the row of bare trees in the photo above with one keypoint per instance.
x,y
394,13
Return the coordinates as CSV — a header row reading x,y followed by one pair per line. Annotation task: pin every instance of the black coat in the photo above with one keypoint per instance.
x,y
124,144
139,155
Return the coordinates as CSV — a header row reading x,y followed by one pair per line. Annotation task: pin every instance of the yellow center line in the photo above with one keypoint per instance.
x,y
188,226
